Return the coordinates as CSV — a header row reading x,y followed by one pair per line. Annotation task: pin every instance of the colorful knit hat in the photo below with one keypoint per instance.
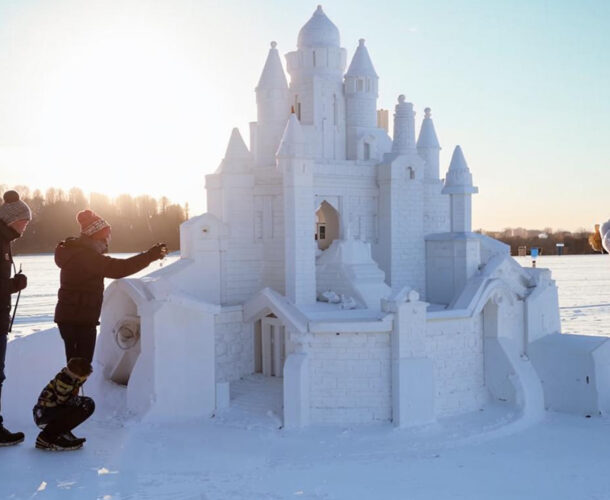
x,y
92,225
14,209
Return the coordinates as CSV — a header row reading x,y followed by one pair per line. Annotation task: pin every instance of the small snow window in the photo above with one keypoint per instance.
x,y
368,84
297,107
367,151
359,85
335,113
314,58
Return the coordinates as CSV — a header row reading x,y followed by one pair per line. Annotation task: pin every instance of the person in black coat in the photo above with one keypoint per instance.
x,y
83,269
14,218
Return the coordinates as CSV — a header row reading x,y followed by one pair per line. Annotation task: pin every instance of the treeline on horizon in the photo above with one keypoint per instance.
x,y
546,240
137,222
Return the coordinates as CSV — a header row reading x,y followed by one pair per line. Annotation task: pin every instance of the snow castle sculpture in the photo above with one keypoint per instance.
x,y
336,258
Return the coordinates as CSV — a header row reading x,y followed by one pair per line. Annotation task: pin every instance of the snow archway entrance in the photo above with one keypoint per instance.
x,y
119,348
327,225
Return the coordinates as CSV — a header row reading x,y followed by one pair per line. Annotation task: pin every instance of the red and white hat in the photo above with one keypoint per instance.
x,y
93,225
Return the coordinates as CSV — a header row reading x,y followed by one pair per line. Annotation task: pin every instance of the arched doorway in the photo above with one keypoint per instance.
x,y
327,225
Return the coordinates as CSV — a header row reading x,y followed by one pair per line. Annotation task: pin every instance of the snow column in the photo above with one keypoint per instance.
x,y
412,372
401,206
299,222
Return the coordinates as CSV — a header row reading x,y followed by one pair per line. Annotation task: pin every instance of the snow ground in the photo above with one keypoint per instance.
x,y
241,453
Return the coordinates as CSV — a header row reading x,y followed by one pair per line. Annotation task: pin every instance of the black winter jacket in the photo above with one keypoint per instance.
x,y
7,286
83,270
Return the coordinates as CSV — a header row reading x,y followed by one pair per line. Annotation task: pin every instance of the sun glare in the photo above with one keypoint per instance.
x,y
122,111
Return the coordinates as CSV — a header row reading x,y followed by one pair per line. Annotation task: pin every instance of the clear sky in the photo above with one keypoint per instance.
x,y
140,96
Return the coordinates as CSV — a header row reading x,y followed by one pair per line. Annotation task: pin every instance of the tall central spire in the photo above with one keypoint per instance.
x,y
319,31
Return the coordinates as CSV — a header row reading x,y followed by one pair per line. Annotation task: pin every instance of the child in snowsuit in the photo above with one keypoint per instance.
x,y
83,269
14,218
60,409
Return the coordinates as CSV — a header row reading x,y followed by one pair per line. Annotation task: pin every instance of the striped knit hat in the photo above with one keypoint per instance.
x,y
92,225
14,209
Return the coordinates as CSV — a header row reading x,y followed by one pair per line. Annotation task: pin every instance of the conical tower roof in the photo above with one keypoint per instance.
x,y
292,144
361,64
427,134
459,178
319,31
237,158
273,76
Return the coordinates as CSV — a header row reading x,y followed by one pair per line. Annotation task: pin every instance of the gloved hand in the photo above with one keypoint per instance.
x,y
20,281
157,251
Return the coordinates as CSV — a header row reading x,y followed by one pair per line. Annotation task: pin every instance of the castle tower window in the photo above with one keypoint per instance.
x,y
359,85
314,58
367,151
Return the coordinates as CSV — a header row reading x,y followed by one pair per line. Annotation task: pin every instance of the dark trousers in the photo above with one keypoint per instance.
x,y
79,340
60,419
3,340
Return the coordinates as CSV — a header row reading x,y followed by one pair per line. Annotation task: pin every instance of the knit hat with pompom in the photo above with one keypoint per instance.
x,y
13,209
93,225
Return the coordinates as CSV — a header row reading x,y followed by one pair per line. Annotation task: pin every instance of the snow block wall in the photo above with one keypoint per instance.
x,y
456,348
350,377
234,345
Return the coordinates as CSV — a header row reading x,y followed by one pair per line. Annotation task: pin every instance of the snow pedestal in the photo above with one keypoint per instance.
x,y
296,391
412,372
348,269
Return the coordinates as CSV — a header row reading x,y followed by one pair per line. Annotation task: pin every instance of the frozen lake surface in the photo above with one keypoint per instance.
x,y
489,454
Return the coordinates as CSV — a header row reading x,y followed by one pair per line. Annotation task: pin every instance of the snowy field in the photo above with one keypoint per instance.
x,y
241,453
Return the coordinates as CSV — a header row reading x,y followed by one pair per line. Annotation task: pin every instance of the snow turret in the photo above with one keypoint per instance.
x,y
319,31
318,52
458,185
361,64
316,85
273,108
237,157
273,76
428,146
404,127
361,84
299,218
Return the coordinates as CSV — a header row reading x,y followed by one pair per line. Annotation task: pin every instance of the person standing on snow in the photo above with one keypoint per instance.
x,y
60,409
83,269
14,218
601,237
